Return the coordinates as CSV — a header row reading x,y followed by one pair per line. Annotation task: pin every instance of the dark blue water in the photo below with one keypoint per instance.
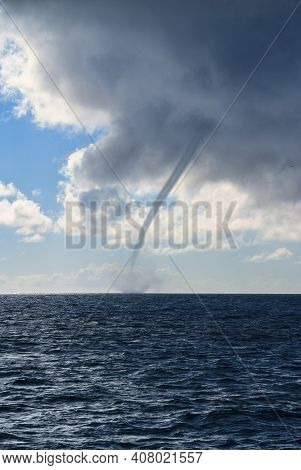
x,y
150,371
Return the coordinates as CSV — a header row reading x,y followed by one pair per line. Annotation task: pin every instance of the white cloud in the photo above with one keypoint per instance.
x,y
280,253
277,255
96,278
249,224
23,79
36,192
7,190
36,238
23,214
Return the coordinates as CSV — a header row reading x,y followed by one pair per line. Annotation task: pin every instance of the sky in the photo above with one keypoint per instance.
x,y
107,101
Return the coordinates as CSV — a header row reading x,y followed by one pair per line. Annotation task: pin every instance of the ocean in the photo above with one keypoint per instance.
x,y
115,371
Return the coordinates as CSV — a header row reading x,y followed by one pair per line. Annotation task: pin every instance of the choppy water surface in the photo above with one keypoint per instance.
x,y
149,371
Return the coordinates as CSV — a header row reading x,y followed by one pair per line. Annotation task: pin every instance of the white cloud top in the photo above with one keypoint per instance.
x,y
22,214
278,255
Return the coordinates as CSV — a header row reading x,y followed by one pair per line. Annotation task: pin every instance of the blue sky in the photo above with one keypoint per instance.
x,y
31,156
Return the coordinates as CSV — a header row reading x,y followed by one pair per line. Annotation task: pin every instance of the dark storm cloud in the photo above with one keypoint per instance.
x,y
166,71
